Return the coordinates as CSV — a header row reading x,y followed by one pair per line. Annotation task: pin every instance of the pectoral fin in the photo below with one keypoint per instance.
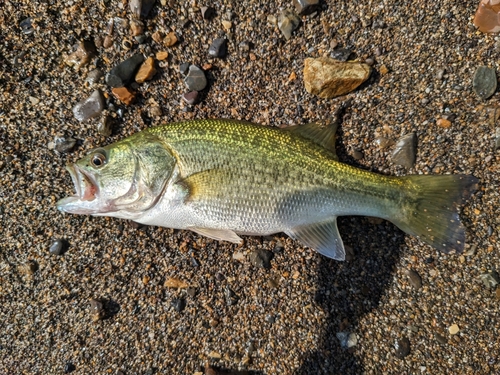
x,y
323,237
205,184
218,234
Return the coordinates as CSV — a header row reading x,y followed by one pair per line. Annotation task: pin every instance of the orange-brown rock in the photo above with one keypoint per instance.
x,y
124,95
146,71
170,39
161,55
328,78
487,17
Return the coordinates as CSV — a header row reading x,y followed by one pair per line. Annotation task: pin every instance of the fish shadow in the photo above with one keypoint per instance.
x,y
346,291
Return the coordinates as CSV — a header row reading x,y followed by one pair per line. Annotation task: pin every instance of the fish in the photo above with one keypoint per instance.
x,y
224,178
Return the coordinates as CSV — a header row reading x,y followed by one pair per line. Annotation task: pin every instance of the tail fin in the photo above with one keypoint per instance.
x,y
430,209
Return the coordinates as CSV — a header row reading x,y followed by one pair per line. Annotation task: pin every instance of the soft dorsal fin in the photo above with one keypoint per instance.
x,y
323,237
322,134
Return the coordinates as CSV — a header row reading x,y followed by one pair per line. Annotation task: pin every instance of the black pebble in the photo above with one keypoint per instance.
x,y
59,246
402,347
179,304
261,258
69,367
218,48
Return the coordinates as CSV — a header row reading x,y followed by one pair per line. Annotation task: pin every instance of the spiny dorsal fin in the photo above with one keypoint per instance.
x,y
323,133
319,133
323,237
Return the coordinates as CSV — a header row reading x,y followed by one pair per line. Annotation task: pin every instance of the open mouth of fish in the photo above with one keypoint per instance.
x,y
85,186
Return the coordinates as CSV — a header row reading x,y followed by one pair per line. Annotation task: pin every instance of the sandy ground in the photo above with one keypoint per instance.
x,y
283,320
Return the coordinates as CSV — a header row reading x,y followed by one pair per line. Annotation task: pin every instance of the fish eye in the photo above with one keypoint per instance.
x,y
98,159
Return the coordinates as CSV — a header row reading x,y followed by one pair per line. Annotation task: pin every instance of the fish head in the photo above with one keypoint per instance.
x,y
123,179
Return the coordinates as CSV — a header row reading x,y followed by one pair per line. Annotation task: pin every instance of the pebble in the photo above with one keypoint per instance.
x,y
328,78
96,310
90,107
484,83
124,72
171,39
124,95
497,138
179,304
440,338
347,340
414,279
490,279
227,25
453,329
218,48
161,55
59,246
146,71
94,76
64,145
304,7
342,54
26,26
195,79
141,8
405,151
402,347
486,17
191,97
84,51
288,21
261,258
174,282
443,123
69,367
105,125
29,268
136,27
231,297
207,13
184,68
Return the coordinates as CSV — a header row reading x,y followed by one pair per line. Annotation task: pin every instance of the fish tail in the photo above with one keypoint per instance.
x,y
430,209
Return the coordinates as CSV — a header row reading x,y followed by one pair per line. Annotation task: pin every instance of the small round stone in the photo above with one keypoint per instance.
x,y
218,48
59,247
402,347
195,79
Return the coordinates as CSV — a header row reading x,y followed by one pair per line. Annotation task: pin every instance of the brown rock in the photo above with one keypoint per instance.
x,y
161,55
146,71
328,78
443,123
84,51
487,17
174,282
136,27
124,95
157,36
170,39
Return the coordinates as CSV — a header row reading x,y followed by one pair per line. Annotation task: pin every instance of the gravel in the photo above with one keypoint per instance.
x,y
293,310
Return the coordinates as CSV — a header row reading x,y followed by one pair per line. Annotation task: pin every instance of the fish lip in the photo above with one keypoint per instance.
x,y
85,185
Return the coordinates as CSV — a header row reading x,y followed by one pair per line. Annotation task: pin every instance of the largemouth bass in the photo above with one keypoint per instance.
x,y
225,178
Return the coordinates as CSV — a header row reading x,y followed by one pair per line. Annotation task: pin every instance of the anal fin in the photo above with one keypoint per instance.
x,y
218,234
323,237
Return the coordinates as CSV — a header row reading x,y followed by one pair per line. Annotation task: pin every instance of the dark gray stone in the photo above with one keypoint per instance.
x,y
195,79
63,145
484,83
59,247
414,279
402,347
405,151
124,72
218,48
261,258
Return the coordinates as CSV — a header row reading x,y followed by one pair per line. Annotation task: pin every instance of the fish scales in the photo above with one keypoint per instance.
x,y
224,178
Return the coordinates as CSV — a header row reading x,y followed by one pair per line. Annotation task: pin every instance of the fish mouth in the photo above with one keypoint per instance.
x,y
85,185
85,200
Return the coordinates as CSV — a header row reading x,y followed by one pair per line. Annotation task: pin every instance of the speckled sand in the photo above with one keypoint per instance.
x,y
284,320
